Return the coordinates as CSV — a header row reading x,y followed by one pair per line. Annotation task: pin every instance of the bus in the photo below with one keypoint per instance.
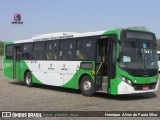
x,y
158,53
118,61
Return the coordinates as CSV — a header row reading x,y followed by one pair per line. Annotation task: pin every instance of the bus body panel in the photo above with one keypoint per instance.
x,y
55,73
8,68
7,64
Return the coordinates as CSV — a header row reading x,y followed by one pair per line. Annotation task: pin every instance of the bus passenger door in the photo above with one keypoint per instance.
x,y
112,48
105,63
16,62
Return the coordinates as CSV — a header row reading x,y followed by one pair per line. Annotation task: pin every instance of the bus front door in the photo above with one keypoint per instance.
x,y
17,58
105,64
102,65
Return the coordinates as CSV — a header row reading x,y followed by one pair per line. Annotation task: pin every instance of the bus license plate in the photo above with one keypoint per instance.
x,y
145,87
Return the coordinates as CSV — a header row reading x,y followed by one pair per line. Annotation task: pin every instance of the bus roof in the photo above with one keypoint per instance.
x,y
59,35
64,35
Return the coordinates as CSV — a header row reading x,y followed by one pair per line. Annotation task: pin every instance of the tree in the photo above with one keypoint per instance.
x,y
1,48
139,28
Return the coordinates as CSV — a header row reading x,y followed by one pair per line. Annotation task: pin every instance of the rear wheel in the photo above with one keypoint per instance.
x,y
87,86
28,79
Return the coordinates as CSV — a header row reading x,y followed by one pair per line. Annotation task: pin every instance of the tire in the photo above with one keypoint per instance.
x,y
87,86
28,79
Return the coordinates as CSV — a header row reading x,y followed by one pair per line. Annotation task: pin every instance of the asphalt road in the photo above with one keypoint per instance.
x,y
15,96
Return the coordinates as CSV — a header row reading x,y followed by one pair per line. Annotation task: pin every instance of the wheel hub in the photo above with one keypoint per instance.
x,y
87,86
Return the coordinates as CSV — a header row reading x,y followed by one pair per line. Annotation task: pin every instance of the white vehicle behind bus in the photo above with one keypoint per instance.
x,y
158,53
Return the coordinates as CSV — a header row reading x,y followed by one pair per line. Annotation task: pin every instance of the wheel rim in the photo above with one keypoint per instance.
x,y
87,86
28,79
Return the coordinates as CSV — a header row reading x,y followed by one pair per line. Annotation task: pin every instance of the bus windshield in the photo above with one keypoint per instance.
x,y
138,53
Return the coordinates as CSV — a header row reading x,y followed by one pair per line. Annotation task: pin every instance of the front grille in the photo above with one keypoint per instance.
x,y
142,72
140,87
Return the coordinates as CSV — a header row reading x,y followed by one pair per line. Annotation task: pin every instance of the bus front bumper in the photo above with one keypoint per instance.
x,y
124,88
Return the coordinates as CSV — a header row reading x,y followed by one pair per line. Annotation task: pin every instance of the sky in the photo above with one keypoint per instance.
x,y
48,16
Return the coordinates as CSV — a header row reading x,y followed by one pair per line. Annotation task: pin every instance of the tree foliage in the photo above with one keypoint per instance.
x,y
139,28
1,48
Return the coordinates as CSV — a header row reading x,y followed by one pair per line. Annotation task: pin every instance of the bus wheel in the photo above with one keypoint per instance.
x,y
28,79
87,86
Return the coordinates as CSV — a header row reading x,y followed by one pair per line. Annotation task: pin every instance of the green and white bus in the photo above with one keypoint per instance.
x,y
120,61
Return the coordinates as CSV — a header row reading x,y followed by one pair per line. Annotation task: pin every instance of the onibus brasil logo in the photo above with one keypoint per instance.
x,y
17,19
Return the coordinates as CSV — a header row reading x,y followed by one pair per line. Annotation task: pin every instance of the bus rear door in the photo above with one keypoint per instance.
x,y
16,62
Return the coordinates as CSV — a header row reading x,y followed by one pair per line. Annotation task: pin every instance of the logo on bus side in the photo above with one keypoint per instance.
x,y
64,67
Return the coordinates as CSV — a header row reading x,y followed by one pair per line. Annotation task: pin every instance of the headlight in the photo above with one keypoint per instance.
x,y
123,78
129,82
126,80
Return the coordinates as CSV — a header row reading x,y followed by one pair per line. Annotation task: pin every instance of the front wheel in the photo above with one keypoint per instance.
x,y
28,79
87,86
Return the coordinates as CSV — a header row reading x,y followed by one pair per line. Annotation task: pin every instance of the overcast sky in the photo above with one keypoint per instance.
x,y
47,16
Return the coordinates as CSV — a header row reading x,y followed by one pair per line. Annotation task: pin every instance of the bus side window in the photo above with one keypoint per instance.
x,y
67,49
158,57
85,49
40,46
39,56
26,51
52,45
53,55
9,52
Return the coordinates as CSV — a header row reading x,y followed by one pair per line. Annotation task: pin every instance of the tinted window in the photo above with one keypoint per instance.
x,y
9,48
9,52
54,55
9,56
39,46
71,44
158,57
26,56
85,49
139,35
67,55
86,65
52,45
68,45
38,56
28,47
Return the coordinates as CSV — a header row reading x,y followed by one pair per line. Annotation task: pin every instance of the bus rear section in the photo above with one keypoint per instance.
x,y
8,60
